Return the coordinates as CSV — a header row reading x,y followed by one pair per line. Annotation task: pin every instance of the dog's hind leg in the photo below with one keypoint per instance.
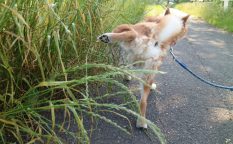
x,y
125,36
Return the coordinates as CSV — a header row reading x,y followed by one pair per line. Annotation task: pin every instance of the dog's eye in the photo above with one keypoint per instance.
x,y
156,43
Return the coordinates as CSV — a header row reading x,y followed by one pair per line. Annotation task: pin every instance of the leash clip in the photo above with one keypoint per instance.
x,y
173,56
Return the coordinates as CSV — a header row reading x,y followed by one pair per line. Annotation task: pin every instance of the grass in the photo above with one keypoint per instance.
x,y
213,13
50,62
154,10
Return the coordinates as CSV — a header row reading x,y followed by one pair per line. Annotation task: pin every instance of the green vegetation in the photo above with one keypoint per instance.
x,y
48,64
154,10
213,13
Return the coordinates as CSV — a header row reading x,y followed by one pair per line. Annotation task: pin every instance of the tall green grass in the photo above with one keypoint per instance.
x,y
46,51
213,13
154,10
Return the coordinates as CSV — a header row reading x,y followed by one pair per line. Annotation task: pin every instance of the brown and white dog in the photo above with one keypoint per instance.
x,y
148,41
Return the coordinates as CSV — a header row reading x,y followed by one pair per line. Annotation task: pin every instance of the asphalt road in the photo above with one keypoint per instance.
x,y
185,109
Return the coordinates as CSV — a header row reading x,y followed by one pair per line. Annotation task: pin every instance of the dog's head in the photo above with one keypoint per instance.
x,y
171,28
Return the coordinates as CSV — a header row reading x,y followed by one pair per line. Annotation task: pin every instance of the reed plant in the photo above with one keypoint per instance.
x,y
50,62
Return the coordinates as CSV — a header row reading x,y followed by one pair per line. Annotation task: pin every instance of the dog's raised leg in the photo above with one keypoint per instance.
x,y
122,36
117,37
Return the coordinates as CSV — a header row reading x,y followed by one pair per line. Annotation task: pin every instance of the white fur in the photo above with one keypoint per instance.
x,y
141,123
152,50
153,86
146,51
132,47
174,26
109,37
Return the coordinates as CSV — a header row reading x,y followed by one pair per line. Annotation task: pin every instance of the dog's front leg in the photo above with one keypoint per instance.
x,y
145,91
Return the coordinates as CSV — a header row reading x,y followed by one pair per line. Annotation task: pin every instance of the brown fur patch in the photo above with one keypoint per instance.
x,y
126,36
142,29
122,28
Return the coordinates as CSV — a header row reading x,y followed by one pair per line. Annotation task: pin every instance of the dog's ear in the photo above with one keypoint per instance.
x,y
184,19
167,12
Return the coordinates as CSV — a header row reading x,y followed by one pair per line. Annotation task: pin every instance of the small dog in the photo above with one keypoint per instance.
x,y
148,41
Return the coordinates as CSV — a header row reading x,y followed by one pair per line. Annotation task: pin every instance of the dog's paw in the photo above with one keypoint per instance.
x,y
104,38
153,86
141,123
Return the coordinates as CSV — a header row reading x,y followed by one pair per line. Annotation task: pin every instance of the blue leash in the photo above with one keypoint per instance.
x,y
183,65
